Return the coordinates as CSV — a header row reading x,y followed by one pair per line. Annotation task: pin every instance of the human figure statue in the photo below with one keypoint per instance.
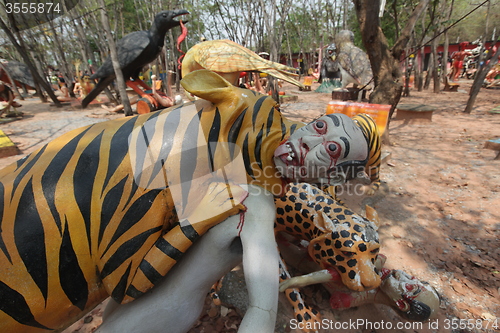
x,y
7,96
458,60
63,88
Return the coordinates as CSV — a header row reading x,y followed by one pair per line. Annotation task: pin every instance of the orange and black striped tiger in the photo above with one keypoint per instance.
x,y
372,134
108,209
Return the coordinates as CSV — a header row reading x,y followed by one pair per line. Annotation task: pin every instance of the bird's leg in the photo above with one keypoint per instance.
x,y
135,86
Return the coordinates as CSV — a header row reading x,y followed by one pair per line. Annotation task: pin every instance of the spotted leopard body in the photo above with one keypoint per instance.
x,y
338,238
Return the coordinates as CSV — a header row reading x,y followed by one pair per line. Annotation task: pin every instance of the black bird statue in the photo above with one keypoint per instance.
x,y
330,74
135,51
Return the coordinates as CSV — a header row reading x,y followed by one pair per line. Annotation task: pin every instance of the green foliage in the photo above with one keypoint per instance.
x,y
309,24
473,26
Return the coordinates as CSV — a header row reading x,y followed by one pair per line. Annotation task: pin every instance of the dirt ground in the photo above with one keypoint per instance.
x,y
439,204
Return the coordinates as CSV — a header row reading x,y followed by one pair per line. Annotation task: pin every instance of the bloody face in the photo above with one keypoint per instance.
x,y
327,151
414,299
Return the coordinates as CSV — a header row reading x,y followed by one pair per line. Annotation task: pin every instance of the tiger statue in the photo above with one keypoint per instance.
x,y
109,209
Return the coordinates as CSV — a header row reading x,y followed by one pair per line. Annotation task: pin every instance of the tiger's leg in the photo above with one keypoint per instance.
x,y
373,188
175,303
168,249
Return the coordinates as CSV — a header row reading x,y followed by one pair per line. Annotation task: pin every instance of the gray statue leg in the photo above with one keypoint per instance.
x,y
260,265
175,304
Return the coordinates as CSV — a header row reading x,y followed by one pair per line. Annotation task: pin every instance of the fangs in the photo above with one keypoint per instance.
x,y
291,154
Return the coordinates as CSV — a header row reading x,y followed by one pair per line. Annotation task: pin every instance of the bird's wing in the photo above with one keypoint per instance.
x,y
225,56
129,48
283,76
345,61
361,65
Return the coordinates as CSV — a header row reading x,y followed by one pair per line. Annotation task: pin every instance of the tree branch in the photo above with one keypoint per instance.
x,y
405,35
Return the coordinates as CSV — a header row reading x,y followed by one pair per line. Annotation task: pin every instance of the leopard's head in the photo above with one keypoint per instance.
x,y
349,244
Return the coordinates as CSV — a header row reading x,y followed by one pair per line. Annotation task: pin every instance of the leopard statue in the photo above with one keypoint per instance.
x,y
338,240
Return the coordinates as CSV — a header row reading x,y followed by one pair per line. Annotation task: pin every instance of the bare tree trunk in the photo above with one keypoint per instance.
x,y
384,62
29,63
478,81
138,18
430,69
344,15
435,67
83,43
421,63
483,70
419,73
275,35
100,42
120,80
174,60
66,67
444,58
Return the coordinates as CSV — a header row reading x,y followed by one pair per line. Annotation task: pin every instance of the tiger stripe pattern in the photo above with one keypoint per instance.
x,y
108,209
372,135
77,227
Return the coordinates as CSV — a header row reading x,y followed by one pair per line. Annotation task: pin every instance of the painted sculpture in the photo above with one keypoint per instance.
x,y
338,239
330,75
458,61
354,63
340,248
409,297
229,59
372,134
345,256
18,72
110,208
337,236
135,51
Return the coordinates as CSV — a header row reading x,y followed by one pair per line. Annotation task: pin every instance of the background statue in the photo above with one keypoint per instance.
x,y
19,72
330,74
135,51
354,62
229,59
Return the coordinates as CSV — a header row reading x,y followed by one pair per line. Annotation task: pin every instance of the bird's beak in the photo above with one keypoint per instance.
x,y
180,12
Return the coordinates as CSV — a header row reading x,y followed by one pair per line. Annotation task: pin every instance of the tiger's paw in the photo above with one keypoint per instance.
x,y
369,190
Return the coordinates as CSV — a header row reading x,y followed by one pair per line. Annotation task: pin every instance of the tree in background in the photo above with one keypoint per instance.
x,y
278,27
384,61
